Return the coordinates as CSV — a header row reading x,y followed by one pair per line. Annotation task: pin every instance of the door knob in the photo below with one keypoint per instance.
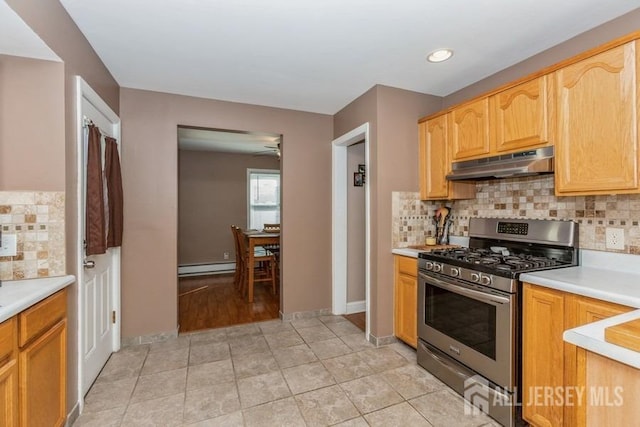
x,y
88,264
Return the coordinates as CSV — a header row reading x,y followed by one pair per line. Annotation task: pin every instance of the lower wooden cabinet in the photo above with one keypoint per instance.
x,y
405,325
8,373
553,370
42,379
33,365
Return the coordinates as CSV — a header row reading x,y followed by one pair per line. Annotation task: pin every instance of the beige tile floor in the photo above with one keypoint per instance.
x,y
311,372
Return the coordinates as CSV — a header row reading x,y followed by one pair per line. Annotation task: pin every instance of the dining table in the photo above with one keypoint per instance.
x,y
257,238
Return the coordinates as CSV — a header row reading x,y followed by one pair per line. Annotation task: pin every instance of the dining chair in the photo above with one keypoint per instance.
x,y
271,228
237,277
275,248
264,264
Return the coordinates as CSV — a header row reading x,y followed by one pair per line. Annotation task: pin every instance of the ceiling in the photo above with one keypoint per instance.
x,y
18,39
318,56
257,143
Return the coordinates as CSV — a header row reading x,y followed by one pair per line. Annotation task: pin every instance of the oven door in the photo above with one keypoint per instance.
x,y
474,327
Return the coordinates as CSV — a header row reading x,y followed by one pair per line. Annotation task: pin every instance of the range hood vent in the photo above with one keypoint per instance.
x,y
524,163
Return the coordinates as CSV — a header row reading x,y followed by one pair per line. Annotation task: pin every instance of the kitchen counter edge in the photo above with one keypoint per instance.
x,y
18,295
413,253
608,285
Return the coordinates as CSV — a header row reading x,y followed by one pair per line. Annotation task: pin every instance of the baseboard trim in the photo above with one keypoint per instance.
x,y
147,339
287,317
356,307
381,341
202,269
73,415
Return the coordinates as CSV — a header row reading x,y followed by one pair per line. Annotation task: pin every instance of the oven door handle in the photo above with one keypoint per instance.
x,y
477,295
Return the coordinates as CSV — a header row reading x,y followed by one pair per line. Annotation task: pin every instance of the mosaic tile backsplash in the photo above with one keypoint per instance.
x,y
37,219
531,197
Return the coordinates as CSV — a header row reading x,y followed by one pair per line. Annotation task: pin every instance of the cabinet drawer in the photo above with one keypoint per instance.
x,y
42,316
407,265
7,338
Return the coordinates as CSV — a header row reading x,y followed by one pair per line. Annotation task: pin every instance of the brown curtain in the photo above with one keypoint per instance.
x,y
95,219
114,192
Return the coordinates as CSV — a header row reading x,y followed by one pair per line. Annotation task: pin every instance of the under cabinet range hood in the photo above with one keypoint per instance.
x,y
524,163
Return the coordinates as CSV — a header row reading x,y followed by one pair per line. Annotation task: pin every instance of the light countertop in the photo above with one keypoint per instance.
x,y
17,295
413,252
608,285
605,276
591,337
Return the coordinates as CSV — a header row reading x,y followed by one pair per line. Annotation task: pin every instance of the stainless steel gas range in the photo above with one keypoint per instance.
x,y
470,307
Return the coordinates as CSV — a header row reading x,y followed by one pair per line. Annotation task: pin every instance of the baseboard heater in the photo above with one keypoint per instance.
x,y
203,269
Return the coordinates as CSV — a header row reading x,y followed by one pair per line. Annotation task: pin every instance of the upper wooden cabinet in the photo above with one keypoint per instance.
x,y
597,140
469,130
435,163
520,117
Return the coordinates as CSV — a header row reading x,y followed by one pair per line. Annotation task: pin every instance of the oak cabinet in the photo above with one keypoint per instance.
x,y
8,373
549,363
405,323
622,383
435,163
543,353
469,130
42,364
521,116
597,132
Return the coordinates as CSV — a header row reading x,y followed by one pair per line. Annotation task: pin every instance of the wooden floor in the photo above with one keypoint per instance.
x,y
358,319
207,302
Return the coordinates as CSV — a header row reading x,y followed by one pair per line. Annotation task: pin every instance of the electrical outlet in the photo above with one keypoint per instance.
x,y
225,255
9,245
615,238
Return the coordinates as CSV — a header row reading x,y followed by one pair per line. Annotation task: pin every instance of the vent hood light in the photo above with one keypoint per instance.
x,y
440,55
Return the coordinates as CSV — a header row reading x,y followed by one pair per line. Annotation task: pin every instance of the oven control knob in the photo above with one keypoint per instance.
x,y
475,277
455,272
428,265
485,280
437,267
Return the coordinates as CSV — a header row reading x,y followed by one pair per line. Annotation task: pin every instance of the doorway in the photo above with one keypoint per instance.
x,y
98,275
342,178
213,167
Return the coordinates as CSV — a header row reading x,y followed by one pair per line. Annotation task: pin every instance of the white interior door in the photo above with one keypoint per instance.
x,y
99,275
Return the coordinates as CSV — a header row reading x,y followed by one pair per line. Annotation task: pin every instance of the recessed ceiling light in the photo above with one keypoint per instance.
x,y
440,55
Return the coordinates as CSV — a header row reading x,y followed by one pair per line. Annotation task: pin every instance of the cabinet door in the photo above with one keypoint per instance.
x,y
581,311
596,142
42,369
406,300
543,354
434,161
9,393
8,373
520,116
469,132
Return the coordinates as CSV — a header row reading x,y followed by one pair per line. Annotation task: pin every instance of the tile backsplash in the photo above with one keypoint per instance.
x,y
531,197
37,219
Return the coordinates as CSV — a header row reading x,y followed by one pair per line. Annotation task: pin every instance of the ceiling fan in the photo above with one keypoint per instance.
x,y
272,150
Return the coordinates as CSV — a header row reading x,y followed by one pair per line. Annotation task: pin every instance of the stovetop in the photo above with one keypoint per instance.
x,y
500,261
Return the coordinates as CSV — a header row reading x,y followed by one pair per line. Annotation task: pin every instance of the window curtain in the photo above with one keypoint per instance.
x,y
104,216
114,192
95,218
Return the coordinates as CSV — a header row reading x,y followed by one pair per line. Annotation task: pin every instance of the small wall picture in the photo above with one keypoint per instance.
x,y
358,179
361,169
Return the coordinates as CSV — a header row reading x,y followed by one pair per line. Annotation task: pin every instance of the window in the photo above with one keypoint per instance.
x,y
264,198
